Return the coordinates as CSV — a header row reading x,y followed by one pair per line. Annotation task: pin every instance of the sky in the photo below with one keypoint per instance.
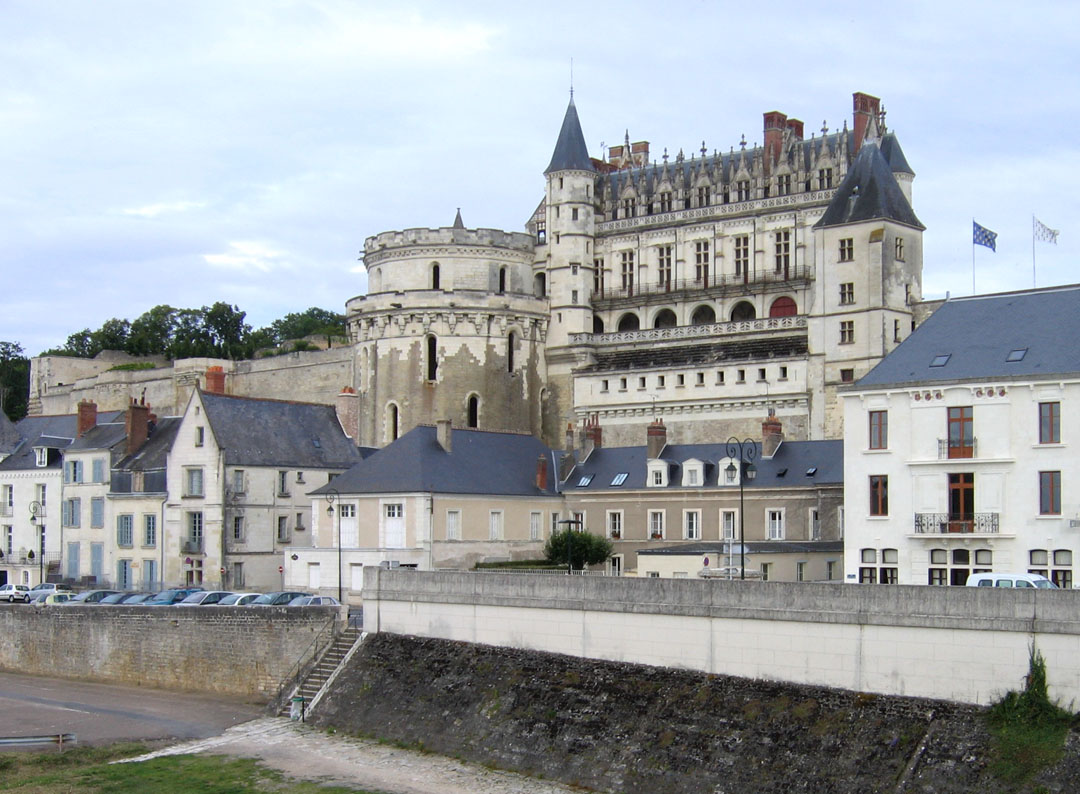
x,y
185,153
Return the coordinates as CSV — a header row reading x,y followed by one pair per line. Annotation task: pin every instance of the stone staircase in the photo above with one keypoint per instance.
x,y
327,664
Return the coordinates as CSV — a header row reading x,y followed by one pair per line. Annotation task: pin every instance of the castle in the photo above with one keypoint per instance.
x,y
701,290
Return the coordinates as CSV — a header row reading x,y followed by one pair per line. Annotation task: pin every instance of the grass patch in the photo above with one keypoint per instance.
x,y
134,366
87,770
1029,730
481,566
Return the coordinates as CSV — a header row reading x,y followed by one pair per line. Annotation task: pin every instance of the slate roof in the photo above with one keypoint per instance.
x,y
752,547
480,462
154,452
254,432
9,436
869,192
978,333
56,432
647,356
786,469
570,153
104,435
894,155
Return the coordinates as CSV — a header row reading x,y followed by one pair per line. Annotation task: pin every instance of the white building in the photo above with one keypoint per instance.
x,y
958,451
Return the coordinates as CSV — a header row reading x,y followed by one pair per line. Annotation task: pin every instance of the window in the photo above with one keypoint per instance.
x,y
743,189
584,480
656,524
814,520
693,475
573,301
888,574
8,540
195,527
1038,559
720,378
824,178
283,529
97,512
896,330
1049,493
641,382
149,575
664,265
847,292
604,385
703,196
193,575
701,261
574,214
431,356
598,276
237,575
73,471
1049,423
776,524
238,481
72,513
1016,355
868,570
7,500
847,332
830,569
899,249
941,361
742,255
629,205
783,184
614,523
495,525
541,232
740,376
619,478
238,529
510,341
660,381
627,271
692,524
879,494
800,572
283,483
200,436
41,456
783,373
349,511
847,249
680,380
1061,574
766,571
98,469
453,525
847,376
125,524
193,482
783,252
665,201
536,525
727,524
879,430
961,432
761,374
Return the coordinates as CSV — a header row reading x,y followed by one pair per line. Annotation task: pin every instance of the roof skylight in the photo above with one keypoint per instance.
x,y
1017,355
811,471
941,361
585,480
620,478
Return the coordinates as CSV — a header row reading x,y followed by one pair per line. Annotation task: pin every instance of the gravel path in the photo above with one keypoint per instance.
x,y
307,754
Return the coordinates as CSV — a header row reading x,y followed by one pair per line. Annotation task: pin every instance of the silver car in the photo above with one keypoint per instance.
x,y
15,592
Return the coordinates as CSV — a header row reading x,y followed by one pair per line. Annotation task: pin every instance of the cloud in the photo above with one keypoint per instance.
x,y
249,255
153,210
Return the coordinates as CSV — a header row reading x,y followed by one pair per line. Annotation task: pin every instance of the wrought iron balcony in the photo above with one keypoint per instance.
x,y
957,523
951,449
192,546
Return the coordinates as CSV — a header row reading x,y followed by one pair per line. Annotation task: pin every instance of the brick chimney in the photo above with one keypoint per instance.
x,y
593,435
796,127
215,380
444,433
865,106
569,445
541,473
775,122
347,407
137,425
86,419
656,439
772,433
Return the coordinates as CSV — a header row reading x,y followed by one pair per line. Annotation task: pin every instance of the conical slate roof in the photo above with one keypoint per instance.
x,y
570,151
869,192
890,148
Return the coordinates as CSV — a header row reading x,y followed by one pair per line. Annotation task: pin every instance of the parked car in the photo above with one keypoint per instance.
x,y
52,587
238,599
203,598
90,596
15,592
134,599
46,598
125,598
315,601
278,598
1010,580
169,597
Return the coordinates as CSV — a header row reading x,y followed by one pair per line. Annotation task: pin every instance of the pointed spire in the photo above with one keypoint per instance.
x,y
570,153
458,223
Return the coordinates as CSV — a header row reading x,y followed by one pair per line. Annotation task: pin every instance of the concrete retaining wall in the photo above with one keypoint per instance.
x,y
962,644
233,650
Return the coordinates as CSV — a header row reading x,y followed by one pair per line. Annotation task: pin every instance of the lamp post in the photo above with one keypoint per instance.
x,y
569,543
35,511
746,451
333,495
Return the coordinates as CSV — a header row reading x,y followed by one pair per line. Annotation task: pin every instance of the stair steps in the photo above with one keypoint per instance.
x,y
324,668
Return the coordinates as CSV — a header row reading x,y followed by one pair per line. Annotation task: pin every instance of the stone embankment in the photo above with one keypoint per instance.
x,y
615,727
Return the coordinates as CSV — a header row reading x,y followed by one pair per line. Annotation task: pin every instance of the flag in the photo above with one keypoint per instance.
x,y
1044,232
983,236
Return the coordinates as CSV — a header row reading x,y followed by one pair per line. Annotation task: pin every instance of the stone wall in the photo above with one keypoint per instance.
x,y
953,643
241,651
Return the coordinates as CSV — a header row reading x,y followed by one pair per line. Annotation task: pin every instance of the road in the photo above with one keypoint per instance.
x,y
104,713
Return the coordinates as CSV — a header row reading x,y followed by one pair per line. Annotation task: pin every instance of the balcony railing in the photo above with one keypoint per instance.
x,y
948,450
691,331
707,282
192,546
5,511
957,523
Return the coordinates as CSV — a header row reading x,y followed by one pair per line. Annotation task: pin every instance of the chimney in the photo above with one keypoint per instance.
x,y
865,106
137,425
443,433
775,121
569,446
347,407
796,128
772,433
566,459
541,473
215,380
656,438
593,435
87,418
598,433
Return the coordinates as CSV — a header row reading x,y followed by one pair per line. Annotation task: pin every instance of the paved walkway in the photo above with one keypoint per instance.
x,y
305,753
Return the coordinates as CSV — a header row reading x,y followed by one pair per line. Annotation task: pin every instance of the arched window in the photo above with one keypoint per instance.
x,y
629,322
510,352
502,280
703,315
473,410
432,357
783,307
665,318
744,310
540,285
391,422
597,325
435,275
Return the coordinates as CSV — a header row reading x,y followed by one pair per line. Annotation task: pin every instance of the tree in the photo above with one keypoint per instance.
x,y
228,331
585,548
113,335
14,380
312,321
152,332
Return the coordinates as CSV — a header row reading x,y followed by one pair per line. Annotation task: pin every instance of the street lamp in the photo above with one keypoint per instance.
x,y
746,450
331,496
35,511
569,543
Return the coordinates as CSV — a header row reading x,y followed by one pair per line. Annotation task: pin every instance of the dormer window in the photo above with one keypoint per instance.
x,y
693,473
41,456
658,474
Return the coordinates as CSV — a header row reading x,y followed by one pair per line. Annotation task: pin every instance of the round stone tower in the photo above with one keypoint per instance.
x,y
449,329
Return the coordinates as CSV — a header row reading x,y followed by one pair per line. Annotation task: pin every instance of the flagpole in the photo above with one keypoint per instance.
x,y
1034,283
973,258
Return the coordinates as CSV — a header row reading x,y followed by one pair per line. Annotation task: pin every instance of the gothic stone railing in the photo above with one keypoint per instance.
x,y
691,331
792,273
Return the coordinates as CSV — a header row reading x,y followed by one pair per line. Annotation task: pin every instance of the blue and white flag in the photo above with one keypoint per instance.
x,y
983,236
1044,232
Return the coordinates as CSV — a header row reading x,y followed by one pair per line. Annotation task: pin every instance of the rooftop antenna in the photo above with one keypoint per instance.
x,y
571,79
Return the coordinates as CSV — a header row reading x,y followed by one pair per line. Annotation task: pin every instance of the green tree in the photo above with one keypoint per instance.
x,y
228,331
585,548
152,332
312,321
14,380
113,335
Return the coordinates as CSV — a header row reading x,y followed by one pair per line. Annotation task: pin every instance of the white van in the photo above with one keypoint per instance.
x,y
1010,580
